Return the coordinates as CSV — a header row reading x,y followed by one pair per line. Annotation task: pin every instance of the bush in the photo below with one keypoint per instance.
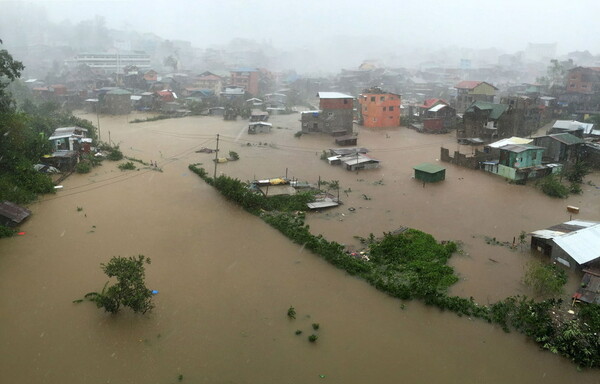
x,y
552,187
83,167
127,166
545,279
115,154
6,231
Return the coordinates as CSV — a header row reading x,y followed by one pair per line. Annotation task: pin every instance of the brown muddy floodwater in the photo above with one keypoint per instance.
x,y
226,278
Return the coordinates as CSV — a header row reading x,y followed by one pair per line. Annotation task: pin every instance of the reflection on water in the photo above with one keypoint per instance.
x,y
226,279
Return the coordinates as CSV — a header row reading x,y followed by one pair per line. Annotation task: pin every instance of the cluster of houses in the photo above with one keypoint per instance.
x,y
134,86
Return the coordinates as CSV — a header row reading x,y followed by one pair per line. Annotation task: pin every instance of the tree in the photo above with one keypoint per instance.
x,y
130,289
9,69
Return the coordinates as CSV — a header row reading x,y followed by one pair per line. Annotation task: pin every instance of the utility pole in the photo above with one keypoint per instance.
x,y
216,158
98,118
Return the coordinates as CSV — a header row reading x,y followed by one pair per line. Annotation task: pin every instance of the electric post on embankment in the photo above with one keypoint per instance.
x,y
216,159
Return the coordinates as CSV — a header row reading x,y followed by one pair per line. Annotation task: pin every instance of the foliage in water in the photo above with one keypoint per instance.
x,y
130,289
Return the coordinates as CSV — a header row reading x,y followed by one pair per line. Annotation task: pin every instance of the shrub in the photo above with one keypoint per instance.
x,y
83,167
552,187
234,155
6,231
127,166
545,279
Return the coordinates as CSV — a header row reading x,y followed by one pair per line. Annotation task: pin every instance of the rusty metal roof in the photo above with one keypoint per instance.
x,y
14,212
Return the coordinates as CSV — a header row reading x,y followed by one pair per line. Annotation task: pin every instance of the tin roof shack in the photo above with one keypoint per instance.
x,y
12,214
483,120
259,127
346,140
520,162
359,161
575,128
560,147
439,119
335,116
429,173
589,289
259,116
115,102
67,138
574,244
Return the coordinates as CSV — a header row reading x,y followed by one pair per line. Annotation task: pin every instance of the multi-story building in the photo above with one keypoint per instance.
x,y
208,80
334,116
584,80
112,62
247,78
379,109
469,91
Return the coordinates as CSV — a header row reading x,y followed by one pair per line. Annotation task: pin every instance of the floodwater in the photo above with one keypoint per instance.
x,y
226,279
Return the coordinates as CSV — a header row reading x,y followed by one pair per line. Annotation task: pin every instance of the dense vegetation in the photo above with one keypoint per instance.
x,y
24,133
413,265
130,289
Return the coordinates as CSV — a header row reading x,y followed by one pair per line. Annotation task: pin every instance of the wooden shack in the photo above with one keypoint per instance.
x,y
429,173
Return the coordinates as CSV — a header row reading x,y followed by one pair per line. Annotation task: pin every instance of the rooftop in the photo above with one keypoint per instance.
x,y
429,168
333,95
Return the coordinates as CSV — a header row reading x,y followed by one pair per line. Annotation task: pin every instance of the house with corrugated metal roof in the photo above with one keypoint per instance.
x,y
560,147
574,244
484,120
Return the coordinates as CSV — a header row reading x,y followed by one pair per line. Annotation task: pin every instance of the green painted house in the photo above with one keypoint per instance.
x,y
520,161
429,173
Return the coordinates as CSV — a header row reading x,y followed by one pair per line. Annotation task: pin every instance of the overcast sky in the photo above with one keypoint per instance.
x,y
505,24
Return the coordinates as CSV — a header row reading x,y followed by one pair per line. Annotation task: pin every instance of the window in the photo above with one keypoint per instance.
x,y
372,98
374,119
534,155
572,85
391,108
384,109
345,101
382,98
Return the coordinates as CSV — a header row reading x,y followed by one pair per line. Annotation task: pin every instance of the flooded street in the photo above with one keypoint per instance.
x,y
226,279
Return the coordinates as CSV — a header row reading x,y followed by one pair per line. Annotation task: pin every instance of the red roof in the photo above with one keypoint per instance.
x,y
431,102
468,84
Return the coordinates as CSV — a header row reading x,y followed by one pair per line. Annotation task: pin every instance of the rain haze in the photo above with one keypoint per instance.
x,y
328,191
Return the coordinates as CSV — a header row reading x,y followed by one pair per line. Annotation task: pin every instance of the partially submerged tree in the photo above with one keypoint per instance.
x,y
130,289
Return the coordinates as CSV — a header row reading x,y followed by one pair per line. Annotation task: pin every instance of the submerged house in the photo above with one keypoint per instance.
x,y
574,244
259,127
429,173
483,119
334,117
560,147
520,162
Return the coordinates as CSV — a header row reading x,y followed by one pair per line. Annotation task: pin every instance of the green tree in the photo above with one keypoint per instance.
x,y
10,69
130,289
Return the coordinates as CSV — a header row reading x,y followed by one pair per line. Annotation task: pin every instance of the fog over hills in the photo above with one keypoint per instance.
x,y
309,36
